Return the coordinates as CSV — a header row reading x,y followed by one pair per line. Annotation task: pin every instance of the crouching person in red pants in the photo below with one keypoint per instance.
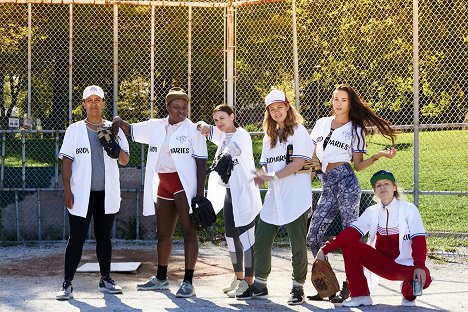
x,y
395,250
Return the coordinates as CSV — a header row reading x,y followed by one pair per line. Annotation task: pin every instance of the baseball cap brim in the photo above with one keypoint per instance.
x,y
382,175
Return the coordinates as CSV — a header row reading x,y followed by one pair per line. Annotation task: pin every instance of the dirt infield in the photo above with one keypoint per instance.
x,y
30,276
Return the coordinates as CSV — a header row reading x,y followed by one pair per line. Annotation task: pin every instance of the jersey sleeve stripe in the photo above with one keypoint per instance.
x,y
210,136
301,156
131,134
417,234
357,229
65,155
359,151
199,157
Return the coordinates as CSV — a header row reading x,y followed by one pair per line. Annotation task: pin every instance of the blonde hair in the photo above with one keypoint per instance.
x,y
293,118
398,194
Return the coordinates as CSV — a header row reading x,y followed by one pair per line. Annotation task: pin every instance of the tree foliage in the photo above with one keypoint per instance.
x,y
367,43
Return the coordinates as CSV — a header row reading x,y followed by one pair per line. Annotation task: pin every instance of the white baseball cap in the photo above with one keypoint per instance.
x,y
93,90
275,96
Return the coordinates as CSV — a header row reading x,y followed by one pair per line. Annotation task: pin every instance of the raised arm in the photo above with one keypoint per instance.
x,y
117,123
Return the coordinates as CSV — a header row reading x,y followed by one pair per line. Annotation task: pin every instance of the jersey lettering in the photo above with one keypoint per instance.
x,y
406,237
153,149
180,150
81,150
339,144
270,160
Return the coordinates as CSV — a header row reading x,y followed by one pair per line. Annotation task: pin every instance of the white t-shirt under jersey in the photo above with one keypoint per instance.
x,y
343,142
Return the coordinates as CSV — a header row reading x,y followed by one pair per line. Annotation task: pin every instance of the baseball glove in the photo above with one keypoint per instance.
x,y
307,167
109,141
203,214
223,166
316,165
324,279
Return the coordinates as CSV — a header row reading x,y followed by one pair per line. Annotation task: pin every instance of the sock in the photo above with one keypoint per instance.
x,y
188,275
162,272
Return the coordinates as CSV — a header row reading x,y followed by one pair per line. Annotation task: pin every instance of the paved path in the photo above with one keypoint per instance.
x,y
36,293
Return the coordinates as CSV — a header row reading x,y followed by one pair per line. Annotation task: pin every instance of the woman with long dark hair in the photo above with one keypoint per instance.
x,y
339,141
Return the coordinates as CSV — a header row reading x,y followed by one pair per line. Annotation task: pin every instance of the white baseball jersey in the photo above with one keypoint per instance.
x,y
410,225
185,144
287,198
246,201
76,147
343,142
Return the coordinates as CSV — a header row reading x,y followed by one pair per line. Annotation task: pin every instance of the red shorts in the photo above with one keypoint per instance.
x,y
169,185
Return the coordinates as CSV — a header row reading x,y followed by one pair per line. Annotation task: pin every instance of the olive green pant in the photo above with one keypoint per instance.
x,y
265,235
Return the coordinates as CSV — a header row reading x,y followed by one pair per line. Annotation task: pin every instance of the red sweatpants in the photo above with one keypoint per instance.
x,y
358,255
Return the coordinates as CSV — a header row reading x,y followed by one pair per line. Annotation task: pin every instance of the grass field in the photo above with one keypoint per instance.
x,y
442,167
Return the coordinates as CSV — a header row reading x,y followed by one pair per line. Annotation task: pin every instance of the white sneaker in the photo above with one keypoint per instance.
x,y
407,303
239,289
357,301
108,285
233,285
65,293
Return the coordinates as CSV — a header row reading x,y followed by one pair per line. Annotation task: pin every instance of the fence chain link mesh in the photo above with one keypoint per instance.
x,y
138,50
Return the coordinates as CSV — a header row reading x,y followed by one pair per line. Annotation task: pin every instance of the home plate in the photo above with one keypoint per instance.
x,y
125,267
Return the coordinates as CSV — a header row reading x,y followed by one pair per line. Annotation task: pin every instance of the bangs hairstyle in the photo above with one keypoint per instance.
x,y
361,115
293,118
228,110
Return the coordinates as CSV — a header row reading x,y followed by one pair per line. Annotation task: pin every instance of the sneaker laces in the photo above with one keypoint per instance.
x,y
297,292
108,279
344,292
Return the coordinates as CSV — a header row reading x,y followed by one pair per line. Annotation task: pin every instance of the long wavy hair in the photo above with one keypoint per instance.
x,y
228,110
361,115
293,118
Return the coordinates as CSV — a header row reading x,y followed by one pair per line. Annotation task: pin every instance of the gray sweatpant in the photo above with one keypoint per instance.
x,y
341,193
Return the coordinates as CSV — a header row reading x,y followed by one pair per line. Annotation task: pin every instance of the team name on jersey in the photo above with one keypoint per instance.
x,y
339,144
153,149
180,150
270,160
406,237
81,150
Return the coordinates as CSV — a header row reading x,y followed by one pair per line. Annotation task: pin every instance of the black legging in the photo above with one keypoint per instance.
x,y
78,231
243,254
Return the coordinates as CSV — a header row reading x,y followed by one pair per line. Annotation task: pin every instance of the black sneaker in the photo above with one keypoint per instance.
x,y
344,294
254,292
297,295
317,297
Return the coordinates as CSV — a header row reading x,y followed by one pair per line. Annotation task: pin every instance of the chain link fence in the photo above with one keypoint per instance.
x,y
409,61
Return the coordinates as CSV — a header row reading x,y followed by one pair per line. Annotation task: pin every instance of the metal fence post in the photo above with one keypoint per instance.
x,y
416,99
295,55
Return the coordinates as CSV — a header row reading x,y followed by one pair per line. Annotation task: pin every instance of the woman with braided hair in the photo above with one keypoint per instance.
x,y
235,192
339,140
174,178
